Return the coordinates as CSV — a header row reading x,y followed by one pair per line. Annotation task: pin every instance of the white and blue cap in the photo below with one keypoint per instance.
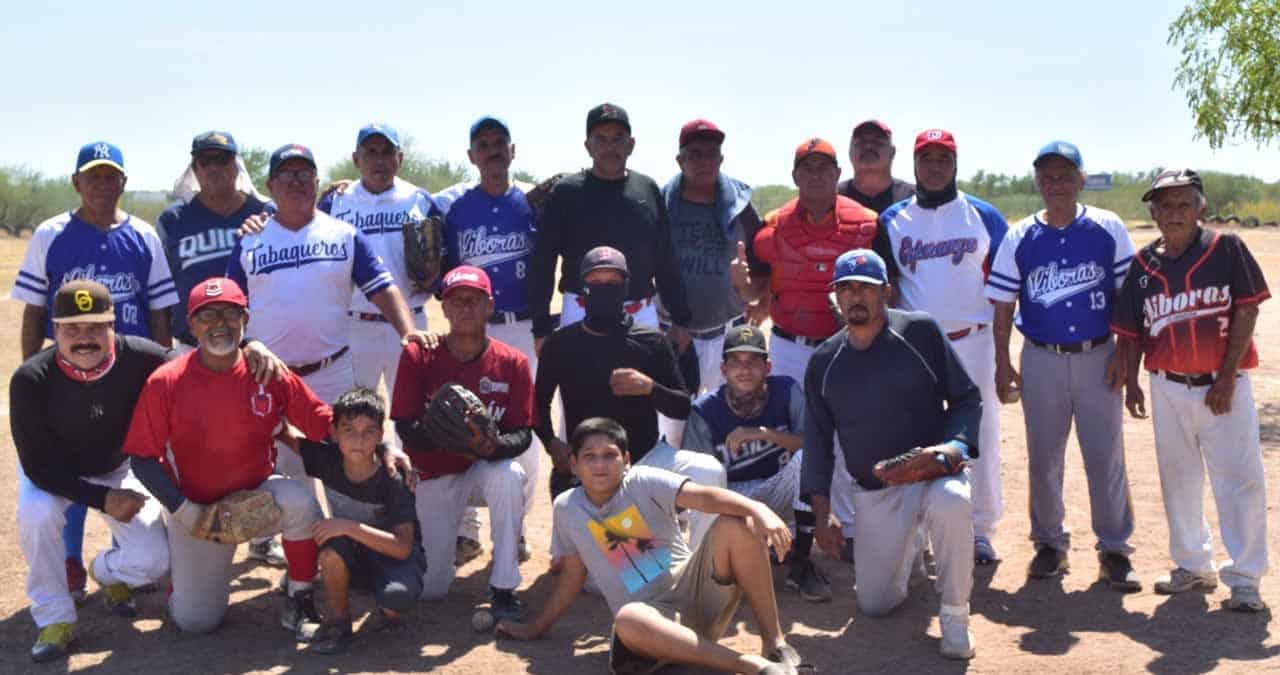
x,y
378,129
489,122
1063,149
860,264
99,153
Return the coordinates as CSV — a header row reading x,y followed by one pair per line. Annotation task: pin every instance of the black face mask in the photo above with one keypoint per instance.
x,y
930,199
604,306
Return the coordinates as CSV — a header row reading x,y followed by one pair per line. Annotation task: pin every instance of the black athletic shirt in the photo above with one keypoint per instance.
x,y
897,191
380,501
66,430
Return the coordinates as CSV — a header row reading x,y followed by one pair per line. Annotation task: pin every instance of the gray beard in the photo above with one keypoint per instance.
x,y
749,405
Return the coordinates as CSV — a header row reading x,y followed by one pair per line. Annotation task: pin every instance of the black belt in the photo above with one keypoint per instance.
x,y
803,341
1191,380
366,316
308,368
510,317
710,333
1074,347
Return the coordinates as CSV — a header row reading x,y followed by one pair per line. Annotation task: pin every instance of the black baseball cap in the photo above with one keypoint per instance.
x,y
83,301
285,153
1171,178
745,339
603,257
607,112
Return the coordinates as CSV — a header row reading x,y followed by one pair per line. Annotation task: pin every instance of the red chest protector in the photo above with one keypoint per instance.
x,y
806,255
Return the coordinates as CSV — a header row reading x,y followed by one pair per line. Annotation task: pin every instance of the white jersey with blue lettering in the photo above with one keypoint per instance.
x,y
380,218
300,284
941,257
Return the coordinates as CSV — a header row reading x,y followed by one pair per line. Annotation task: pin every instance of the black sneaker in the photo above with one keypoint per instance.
x,y
806,579
299,609
505,605
334,637
1049,562
1115,569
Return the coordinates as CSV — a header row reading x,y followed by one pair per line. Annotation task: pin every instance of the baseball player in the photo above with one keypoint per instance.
x,y
490,225
1188,306
69,407
1060,268
95,241
938,246
871,154
879,388
710,215
202,430
499,375
754,424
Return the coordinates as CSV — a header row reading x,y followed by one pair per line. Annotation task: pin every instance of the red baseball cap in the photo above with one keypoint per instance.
x,y
216,289
700,128
938,137
815,146
877,124
466,276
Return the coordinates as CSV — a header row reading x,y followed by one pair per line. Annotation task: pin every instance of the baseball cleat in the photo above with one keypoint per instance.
x,y
299,609
53,642
333,637
1117,571
505,605
1049,562
806,579
1180,580
118,597
983,552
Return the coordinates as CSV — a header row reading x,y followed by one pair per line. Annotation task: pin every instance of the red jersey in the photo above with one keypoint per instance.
x,y
214,431
499,377
1179,309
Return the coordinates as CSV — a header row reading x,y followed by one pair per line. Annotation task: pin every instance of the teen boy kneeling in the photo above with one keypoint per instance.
x,y
670,604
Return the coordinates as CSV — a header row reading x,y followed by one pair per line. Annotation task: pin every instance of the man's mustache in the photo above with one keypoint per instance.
x,y
86,347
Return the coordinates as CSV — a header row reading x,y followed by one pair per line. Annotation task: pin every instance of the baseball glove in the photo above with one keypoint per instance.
x,y
457,421
238,517
423,252
916,465
538,195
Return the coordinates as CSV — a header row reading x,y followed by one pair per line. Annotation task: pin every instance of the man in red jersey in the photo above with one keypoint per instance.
x,y
499,375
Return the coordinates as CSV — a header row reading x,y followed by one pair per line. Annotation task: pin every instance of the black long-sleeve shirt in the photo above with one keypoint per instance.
x,y
629,214
579,364
907,389
66,430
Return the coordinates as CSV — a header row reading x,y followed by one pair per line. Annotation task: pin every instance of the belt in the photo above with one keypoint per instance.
x,y
630,307
709,333
1073,348
366,316
499,318
965,332
800,340
1189,379
309,368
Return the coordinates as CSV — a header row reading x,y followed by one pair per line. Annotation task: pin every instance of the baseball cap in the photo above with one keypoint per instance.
x,y
98,153
214,140
603,257
860,264
1063,149
815,146
489,122
745,339
466,276
938,137
874,124
607,112
698,129
83,300
1170,178
378,129
285,153
216,289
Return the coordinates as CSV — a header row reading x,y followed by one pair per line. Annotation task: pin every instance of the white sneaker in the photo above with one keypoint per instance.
x,y
1180,580
957,640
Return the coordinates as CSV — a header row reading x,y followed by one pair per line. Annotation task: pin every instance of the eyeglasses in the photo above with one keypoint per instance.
x,y
210,314
303,175
214,159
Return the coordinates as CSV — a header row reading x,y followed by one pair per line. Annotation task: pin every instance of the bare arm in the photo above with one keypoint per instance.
x,y
397,544
1122,371
573,575
391,303
760,518
33,320
1007,377
158,320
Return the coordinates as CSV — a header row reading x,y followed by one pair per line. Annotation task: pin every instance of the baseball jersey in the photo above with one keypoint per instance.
x,y
380,218
1063,279
214,431
939,258
197,243
300,283
711,420
128,259
493,233
500,377
1179,309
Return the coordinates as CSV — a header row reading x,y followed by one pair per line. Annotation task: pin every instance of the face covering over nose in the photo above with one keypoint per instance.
x,y
604,306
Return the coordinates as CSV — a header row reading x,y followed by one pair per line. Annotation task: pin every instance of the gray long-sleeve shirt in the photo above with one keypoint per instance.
x,y
907,389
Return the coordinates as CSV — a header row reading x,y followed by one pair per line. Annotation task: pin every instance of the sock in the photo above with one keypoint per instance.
x,y
301,555
73,531
803,543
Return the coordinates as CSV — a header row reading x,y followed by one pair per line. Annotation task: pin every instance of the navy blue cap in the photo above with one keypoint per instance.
x,y
489,122
607,112
1063,149
99,153
860,264
378,129
285,153
214,140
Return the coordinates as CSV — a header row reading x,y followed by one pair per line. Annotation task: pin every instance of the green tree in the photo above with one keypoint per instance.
x,y
1230,68
256,162
769,197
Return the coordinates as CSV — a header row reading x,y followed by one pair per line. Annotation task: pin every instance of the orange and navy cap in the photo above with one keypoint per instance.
x,y
217,289
937,138
815,146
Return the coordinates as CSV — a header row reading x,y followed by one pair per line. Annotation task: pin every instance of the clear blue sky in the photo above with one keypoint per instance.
x,y
1005,77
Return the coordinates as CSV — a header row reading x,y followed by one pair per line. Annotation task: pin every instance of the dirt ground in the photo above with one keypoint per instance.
x,y
1067,625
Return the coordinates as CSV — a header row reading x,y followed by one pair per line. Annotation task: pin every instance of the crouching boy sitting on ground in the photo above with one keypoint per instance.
x,y
670,604
372,542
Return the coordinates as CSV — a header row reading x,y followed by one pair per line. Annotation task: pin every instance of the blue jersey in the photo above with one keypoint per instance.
x,y
493,233
711,420
128,259
1063,279
197,243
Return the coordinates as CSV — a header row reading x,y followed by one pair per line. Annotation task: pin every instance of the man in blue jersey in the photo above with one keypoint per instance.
x,y
98,242
1061,268
754,424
